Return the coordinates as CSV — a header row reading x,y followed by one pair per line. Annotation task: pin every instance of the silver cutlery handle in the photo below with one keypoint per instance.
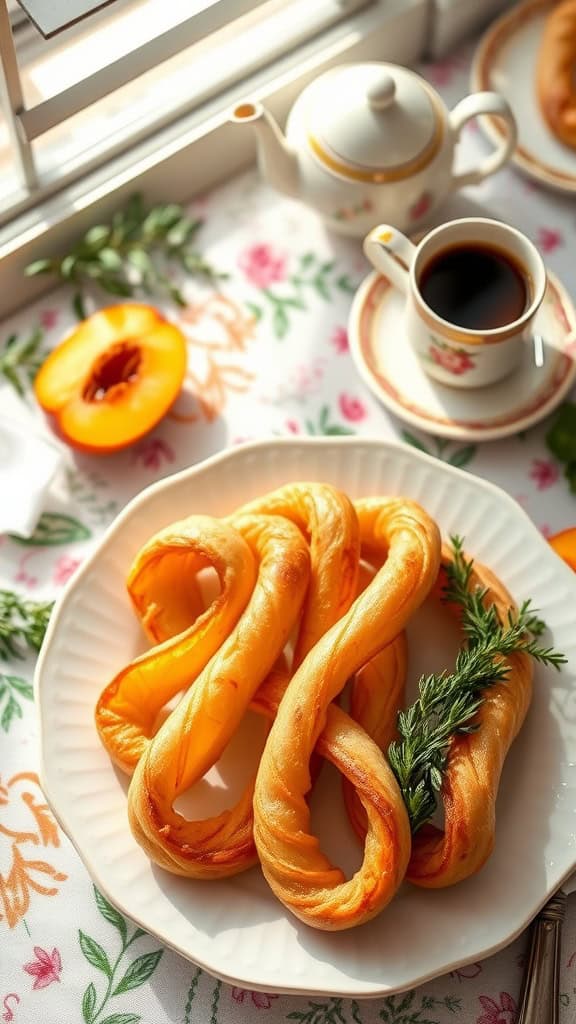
x,y
539,1001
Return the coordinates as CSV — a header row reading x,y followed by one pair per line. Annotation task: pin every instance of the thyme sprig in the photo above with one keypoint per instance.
x,y
20,360
135,252
448,702
22,624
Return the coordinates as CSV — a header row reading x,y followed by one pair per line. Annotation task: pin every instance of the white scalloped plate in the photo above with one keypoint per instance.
x,y
506,61
235,928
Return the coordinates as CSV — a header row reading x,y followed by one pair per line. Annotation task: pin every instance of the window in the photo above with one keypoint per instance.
x,y
77,99
138,95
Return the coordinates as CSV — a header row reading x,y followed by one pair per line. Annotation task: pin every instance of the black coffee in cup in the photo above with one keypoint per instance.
x,y
475,286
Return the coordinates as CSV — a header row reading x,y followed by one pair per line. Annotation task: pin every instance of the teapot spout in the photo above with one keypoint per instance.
x,y
278,160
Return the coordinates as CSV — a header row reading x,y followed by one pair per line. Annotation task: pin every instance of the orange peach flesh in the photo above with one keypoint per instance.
x,y
114,378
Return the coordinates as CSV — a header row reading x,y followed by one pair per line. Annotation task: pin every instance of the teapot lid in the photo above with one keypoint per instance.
x,y
373,122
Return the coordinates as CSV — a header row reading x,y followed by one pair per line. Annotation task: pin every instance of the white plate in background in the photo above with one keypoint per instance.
x,y
506,61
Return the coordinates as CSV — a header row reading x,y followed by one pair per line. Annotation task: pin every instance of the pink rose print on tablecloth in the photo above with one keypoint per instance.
x,y
455,362
9,1002
22,574
308,377
548,239
45,968
153,453
263,265
49,318
292,427
339,340
502,1012
544,473
65,566
261,1000
351,408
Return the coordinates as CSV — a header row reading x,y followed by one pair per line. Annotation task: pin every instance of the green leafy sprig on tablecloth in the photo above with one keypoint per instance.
x,y
448,702
54,528
23,624
134,253
135,974
12,688
561,440
20,360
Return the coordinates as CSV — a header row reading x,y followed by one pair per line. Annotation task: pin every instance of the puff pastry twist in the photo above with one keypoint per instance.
x,y
300,875
128,708
195,734
556,72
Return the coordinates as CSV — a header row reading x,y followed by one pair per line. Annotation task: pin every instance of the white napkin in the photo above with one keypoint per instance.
x,y
28,464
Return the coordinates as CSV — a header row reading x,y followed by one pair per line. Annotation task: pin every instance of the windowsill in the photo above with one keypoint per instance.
x,y
198,151
202,149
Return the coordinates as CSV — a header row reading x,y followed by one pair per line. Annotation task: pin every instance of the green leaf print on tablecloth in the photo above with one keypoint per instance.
x,y
84,488
458,456
412,1009
313,276
55,528
20,360
135,974
11,688
191,996
331,1012
324,426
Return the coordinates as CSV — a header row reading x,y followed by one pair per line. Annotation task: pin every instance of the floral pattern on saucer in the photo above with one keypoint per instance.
x,y
454,360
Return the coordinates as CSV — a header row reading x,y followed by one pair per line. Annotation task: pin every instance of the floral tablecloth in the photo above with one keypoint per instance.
x,y
268,356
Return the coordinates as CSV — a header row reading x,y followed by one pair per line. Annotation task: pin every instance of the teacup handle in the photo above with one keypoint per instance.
x,y
390,252
472,106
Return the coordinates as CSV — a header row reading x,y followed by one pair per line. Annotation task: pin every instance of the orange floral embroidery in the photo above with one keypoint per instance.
x,y
218,326
25,820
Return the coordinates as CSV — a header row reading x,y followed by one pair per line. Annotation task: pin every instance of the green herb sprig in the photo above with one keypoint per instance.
x,y
20,360
133,253
22,624
561,440
448,702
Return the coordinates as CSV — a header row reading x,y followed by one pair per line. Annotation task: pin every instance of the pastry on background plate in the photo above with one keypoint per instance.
x,y
556,72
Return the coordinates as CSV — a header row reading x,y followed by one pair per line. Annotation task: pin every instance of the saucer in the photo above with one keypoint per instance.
x,y
506,61
389,366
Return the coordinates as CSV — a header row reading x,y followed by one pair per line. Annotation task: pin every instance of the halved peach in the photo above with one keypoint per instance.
x,y
113,378
564,544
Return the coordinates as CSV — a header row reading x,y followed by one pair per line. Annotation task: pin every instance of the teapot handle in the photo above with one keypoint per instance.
x,y
472,106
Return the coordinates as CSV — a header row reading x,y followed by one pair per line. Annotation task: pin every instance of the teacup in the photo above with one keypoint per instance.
x,y
473,288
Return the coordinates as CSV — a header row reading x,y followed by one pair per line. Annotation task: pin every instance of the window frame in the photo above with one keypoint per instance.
x,y
203,140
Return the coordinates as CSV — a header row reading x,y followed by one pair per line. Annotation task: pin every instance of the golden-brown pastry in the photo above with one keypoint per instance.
x,y
298,872
470,787
163,590
162,585
556,72
195,734
327,519
376,696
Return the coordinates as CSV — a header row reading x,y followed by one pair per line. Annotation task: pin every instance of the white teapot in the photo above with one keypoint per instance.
x,y
371,143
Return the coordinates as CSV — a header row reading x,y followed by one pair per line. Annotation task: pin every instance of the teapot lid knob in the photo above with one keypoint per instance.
x,y
382,92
